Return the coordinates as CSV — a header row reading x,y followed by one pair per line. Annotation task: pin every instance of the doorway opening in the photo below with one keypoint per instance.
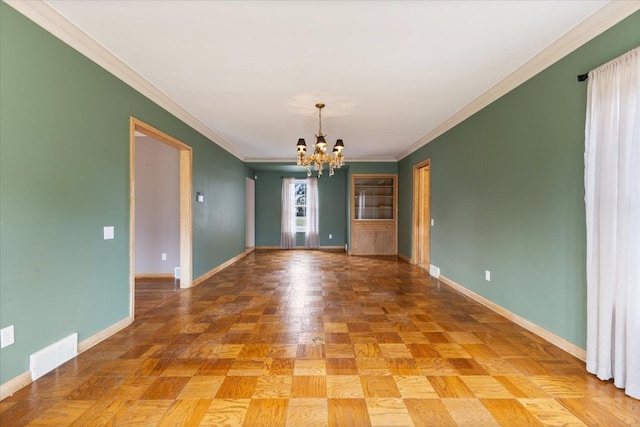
x,y
422,215
250,216
185,184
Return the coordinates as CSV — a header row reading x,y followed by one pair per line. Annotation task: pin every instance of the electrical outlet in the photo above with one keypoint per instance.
x,y
487,275
6,336
164,256
330,236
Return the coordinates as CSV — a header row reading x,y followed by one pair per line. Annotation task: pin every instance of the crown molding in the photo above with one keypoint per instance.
x,y
600,21
348,160
48,18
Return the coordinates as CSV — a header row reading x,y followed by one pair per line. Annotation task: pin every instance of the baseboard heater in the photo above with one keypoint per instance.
x,y
49,358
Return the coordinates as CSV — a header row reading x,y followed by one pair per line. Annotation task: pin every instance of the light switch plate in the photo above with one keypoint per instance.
x,y
487,275
109,232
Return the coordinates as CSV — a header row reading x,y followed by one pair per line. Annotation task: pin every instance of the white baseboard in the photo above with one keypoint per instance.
x,y
24,379
104,334
554,339
249,249
404,258
146,276
301,248
15,384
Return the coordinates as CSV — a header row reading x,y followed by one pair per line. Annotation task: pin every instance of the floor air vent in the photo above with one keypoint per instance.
x,y
53,356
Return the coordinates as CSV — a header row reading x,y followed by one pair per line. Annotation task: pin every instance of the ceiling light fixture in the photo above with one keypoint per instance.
x,y
320,156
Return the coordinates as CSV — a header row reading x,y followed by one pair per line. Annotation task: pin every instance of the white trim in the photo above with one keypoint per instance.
x,y
104,334
554,339
48,18
605,18
14,384
292,160
405,258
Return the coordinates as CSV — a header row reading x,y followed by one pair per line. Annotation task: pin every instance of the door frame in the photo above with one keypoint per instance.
x,y
186,205
422,215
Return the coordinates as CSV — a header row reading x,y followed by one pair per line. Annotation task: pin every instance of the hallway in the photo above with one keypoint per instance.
x,y
310,338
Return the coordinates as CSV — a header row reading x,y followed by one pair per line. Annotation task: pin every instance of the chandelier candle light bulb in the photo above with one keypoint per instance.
x,y
320,156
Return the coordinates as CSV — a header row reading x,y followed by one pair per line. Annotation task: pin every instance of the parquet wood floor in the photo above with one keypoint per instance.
x,y
306,338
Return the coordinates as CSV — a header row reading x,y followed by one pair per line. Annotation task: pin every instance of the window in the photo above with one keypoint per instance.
x,y
300,204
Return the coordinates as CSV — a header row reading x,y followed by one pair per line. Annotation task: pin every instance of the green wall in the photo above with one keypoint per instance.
x,y
332,217
64,174
507,193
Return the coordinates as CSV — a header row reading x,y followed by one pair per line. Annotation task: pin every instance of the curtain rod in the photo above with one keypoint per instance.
x,y
583,77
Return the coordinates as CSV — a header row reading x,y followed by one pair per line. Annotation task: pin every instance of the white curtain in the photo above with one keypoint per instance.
x,y
311,239
288,219
612,198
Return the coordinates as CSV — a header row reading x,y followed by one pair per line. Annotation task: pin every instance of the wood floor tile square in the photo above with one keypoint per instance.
x,y
521,387
142,413
273,387
560,387
184,413
510,412
348,412
467,366
367,351
395,351
165,388
94,388
465,337
215,367
373,366
379,386
415,387
336,328
226,412
429,412
267,413
404,366
387,412
436,367
450,387
310,351
283,350
309,386
201,387
249,367
63,413
237,387
423,351
344,386
254,351
342,366
307,413
339,350
471,412
451,351
225,351
550,412
486,387
279,366
310,367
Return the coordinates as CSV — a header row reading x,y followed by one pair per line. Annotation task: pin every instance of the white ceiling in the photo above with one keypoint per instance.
x,y
389,72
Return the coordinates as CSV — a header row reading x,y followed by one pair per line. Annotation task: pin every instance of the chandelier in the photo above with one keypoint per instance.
x,y
320,156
